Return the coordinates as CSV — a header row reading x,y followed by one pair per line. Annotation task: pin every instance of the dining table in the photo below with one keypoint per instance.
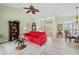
x,y
72,36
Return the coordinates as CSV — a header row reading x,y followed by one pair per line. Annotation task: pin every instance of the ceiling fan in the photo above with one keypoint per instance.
x,y
31,9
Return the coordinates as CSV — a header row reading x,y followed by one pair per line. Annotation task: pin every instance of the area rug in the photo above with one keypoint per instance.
x,y
31,49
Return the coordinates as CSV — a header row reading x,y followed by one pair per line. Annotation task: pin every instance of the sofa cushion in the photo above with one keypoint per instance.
x,y
36,37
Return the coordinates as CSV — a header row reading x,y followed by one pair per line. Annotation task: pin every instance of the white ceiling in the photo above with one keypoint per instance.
x,y
48,9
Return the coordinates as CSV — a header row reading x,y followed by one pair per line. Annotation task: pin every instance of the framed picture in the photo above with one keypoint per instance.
x,y
59,27
48,20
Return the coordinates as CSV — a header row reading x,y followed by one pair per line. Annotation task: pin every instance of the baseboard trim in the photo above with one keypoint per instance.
x,y
4,42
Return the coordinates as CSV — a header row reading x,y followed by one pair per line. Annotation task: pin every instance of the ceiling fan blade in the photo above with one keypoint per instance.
x,y
26,8
36,10
28,11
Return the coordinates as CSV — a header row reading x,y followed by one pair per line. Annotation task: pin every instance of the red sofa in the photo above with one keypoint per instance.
x,y
36,37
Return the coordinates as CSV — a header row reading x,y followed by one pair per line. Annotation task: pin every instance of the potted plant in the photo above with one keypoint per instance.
x,y
21,43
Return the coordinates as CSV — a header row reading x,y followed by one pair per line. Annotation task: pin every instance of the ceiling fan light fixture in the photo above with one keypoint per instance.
x,y
31,9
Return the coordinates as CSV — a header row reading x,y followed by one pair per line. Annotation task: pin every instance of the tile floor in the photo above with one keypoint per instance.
x,y
52,47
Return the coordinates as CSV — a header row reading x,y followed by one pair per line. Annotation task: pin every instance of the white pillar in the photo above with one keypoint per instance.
x,y
54,27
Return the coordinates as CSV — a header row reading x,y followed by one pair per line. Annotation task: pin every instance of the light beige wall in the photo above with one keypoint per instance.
x,y
8,13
